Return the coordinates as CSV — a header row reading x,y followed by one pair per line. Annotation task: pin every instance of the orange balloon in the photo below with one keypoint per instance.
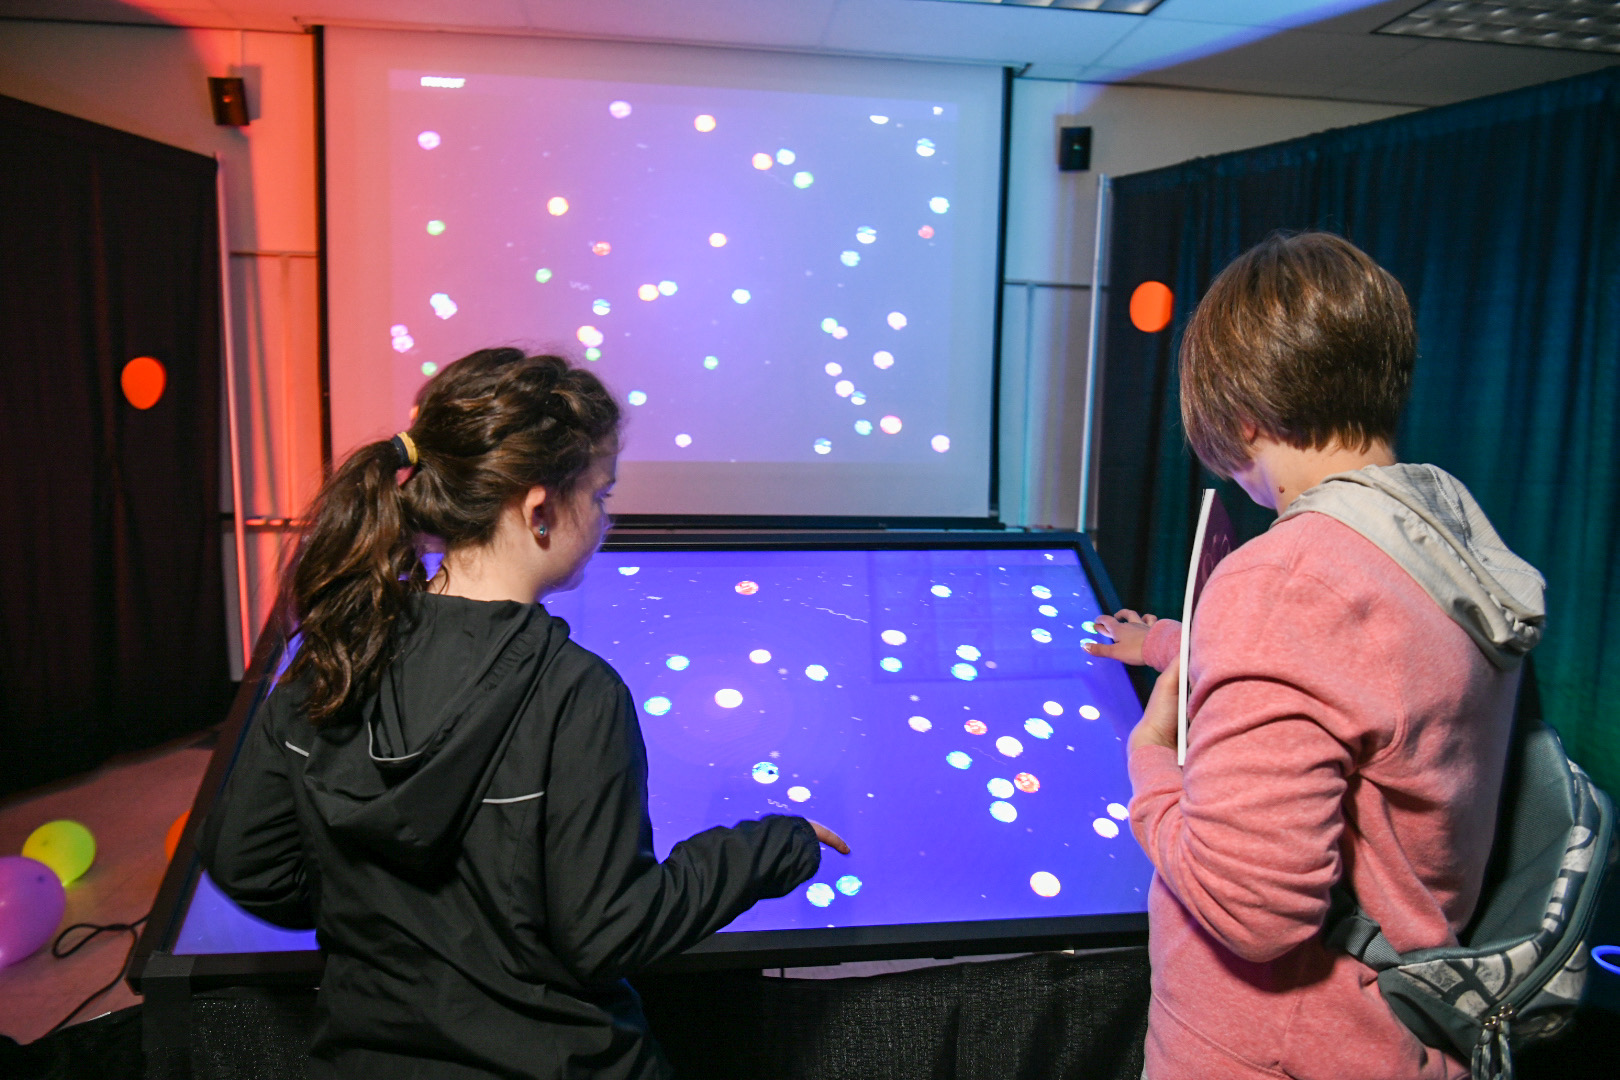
x,y
143,381
172,841
1150,306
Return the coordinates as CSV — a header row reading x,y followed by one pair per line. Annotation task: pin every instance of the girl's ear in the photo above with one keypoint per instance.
x,y
534,508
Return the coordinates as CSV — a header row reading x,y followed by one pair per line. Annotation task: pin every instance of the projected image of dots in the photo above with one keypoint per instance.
x,y
601,247
893,637
619,109
1045,884
939,204
819,894
816,673
589,335
828,325
593,353
711,362
435,227
401,336
556,206
763,161
717,239
1089,627
683,440
843,388
958,760
940,590
823,446
600,307
728,698
1000,787
799,793
1048,610
647,292
785,156
704,123
834,368
890,425
629,571
678,663
926,232
442,305
760,656
802,180
1118,811
965,672
1004,811
430,368
656,706
428,140
920,723
883,359
1090,712
863,427
1105,828
968,652
765,772
746,588
866,234
857,398
1026,783
849,884
1038,727
1040,592
890,664
940,443
636,397
1041,635
667,288
878,119
896,320
850,258
741,296
925,147
975,727
1009,746
542,275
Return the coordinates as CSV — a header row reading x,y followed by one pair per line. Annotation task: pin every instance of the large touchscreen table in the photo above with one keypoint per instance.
x,y
932,704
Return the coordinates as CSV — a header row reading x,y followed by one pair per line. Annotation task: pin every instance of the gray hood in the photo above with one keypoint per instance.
x,y
1424,519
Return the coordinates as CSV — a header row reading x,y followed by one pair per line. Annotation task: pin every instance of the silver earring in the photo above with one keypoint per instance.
x,y
540,529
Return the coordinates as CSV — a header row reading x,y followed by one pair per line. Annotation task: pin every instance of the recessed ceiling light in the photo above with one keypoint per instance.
x,y
1585,25
1119,7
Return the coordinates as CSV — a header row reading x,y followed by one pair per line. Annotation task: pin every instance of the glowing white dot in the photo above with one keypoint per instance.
x,y
717,239
816,673
958,760
893,637
863,427
890,663
629,571
1105,828
823,446
1089,627
556,206
711,362
939,110
1045,884
819,894
876,119
1090,712
890,425
968,652
940,443
760,656
883,359
1038,727
849,884
850,258
834,369
857,398
763,162
728,699
636,397
1040,592
542,275
829,324
786,157
1052,708
1001,788
428,140
403,343
619,109
656,706
1003,811
429,368
939,204
940,590
741,296
798,794
678,663
925,147
704,122
683,440
600,307
1041,635
589,335
1009,746
897,320
442,305
965,672
843,388
399,328
920,723
766,772
802,180
667,288
1118,811
1048,610
866,234
840,332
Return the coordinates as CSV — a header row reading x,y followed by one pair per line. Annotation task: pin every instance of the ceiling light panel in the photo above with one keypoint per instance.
x,y
1585,25
1120,7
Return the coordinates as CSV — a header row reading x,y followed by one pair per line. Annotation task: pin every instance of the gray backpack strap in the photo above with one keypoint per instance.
x,y
1355,932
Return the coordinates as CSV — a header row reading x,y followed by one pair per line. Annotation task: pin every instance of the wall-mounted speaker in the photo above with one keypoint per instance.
x,y
229,96
1074,149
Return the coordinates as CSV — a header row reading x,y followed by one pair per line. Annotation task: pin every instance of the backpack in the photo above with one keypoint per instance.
x,y
1517,973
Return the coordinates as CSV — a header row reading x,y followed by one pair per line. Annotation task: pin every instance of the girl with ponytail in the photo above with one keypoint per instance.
x,y
447,788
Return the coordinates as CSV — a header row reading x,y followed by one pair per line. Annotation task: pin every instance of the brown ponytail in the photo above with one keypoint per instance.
x,y
488,428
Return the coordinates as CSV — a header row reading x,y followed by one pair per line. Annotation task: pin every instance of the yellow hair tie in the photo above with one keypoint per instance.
x,y
403,442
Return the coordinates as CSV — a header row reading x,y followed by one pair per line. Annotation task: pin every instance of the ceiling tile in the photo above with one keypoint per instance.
x,y
1157,43
1277,14
983,32
1456,71
1296,61
773,23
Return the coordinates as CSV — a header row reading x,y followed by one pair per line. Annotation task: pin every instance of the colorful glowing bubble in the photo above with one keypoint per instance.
x,y
1040,592
629,571
850,258
965,672
711,362
542,275
816,673
404,343
619,109
1000,788
798,793
1105,828
1048,610
746,588
883,359
589,335
849,884
741,296
876,119
926,232
683,440
1090,712
593,354
802,180
729,699
890,664
636,397
678,663
1045,884
897,320
667,288
1152,306
890,425
717,239
556,206
1026,783
833,368
760,656
863,427
968,652
765,772
866,234
819,894
840,332
920,723
823,446
975,727
940,443
843,388
1041,635
1118,811
430,368
893,637
939,204
925,147
442,305
857,398
648,292
1089,627
657,706
399,328
828,325
1009,746
939,110
600,307
763,161
704,123
958,760
1038,727
601,247
1004,811
435,227
428,140
940,590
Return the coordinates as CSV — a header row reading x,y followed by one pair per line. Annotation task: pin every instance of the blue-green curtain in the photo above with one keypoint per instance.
x,y
1501,217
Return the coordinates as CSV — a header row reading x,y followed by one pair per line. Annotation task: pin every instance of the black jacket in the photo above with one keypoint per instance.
x,y
472,847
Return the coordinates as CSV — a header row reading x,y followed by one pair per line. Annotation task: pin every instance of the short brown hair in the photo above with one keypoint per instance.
x,y
1306,338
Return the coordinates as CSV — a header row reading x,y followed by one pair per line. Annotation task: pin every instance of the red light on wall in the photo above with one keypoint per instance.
x,y
143,381
1150,307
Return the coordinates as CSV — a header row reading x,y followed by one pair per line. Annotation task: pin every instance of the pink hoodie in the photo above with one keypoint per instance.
x,y
1341,725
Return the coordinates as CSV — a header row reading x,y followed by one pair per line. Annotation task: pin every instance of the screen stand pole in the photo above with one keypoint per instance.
x,y
238,512
1088,436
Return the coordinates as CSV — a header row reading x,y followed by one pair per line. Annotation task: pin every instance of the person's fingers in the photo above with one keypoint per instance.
x,y
1127,615
830,838
1102,648
1150,619
1107,624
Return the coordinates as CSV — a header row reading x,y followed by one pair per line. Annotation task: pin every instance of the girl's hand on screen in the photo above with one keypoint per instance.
x,y
1158,724
1129,630
830,838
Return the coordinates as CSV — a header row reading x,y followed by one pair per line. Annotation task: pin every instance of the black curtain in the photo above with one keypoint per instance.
x,y
1501,218
112,621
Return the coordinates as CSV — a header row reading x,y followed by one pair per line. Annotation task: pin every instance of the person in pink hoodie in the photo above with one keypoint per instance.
x,y
1352,679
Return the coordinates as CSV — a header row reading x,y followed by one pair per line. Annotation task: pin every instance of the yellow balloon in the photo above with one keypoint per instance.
x,y
65,846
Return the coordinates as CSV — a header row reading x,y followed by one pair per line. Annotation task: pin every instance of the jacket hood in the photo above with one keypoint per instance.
x,y
1428,522
403,778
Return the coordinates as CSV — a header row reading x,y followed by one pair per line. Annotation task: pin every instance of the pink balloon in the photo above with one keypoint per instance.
x,y
31,903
